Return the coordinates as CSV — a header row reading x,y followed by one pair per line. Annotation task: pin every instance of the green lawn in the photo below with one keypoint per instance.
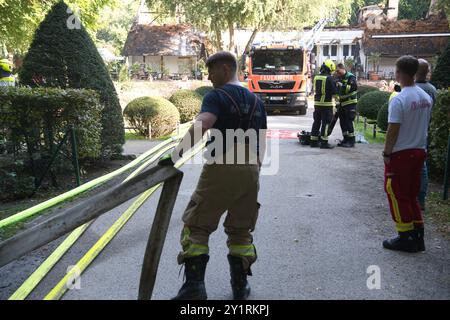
x,y
368,133
129,135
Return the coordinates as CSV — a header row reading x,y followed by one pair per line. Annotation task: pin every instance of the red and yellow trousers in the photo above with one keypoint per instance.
x,y
402,186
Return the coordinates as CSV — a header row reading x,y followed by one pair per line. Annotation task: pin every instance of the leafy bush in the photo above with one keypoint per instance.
x,y
363,89
188,103
439,132
370,103
441,74
204,90
41,116
15,184
160,113
68,58
382,119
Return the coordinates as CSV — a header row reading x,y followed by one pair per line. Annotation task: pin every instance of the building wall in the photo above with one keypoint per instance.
x,y
173,64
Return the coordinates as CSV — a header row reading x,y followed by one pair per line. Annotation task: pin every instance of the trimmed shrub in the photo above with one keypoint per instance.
x,y
439,132
188,103
382,119
33,121
441,74
204,90
65,57
40,117
362,90
370,104
160,113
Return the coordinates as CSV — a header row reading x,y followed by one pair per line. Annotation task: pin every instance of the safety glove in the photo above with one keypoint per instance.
x,y
166,160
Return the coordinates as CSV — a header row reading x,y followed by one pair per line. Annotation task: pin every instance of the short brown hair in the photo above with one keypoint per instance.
x,y
408,65
340,66
222,57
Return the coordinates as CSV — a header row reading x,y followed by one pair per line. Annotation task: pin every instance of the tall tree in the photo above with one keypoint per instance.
x,y
65,57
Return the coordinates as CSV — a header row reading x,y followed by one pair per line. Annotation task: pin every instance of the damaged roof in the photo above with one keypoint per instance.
x,y
416,38
165,40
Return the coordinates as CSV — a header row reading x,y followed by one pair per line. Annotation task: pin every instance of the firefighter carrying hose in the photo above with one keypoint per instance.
x,y
223,187
6,77
324,92
348,99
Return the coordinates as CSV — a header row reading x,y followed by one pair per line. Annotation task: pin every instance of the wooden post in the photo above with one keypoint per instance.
x,y
157,236
365,123
374,130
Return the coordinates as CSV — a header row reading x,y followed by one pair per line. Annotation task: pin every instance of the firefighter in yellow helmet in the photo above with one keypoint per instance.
x,y
6,77
324,92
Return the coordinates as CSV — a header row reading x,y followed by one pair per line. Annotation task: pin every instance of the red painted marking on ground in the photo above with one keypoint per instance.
x,y
282,134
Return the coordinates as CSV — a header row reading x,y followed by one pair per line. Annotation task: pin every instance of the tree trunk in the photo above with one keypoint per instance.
x,y
248,46
250,41
231,32
218,39
433,9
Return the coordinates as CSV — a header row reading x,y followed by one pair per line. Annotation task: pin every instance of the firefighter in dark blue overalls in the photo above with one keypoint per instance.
x,y
324,93
230,187
348,90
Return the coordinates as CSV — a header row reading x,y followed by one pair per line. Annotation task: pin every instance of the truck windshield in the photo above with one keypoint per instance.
x,y
277,61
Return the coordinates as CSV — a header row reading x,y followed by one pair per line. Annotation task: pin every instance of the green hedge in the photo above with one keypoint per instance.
x,y
441,73
363,89
33,121
370,104
68,58
382,119
160,113
439,132
188,103
42,115
204,90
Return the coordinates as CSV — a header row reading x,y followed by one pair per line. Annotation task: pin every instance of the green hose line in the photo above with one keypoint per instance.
x,y
91,184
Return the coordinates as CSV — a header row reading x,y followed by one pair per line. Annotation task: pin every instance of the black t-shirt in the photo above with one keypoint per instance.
x,y
235,107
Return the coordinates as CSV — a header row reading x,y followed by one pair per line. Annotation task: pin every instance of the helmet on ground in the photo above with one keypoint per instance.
x,y
5,65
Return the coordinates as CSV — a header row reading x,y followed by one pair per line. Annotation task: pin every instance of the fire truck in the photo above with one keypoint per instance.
x,y
280,73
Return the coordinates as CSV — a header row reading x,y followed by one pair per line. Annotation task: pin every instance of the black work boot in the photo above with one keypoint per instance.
x,y
406,241
325,145
419,234
239,283
194,286
314,144
350,143
343,141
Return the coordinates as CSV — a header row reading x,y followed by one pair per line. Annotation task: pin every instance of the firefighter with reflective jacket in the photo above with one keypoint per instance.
x,y
324,92
348,99
6,77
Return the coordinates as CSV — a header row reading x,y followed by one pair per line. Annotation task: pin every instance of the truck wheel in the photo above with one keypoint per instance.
x,y
302,111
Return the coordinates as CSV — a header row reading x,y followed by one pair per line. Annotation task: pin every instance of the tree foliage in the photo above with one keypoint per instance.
x,y
20,19
441,74
216,16
67,58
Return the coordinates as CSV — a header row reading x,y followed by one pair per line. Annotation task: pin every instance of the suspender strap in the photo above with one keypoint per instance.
x,y
237,107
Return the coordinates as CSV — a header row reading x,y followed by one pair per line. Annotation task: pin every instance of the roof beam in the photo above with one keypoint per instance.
x,y
411,35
